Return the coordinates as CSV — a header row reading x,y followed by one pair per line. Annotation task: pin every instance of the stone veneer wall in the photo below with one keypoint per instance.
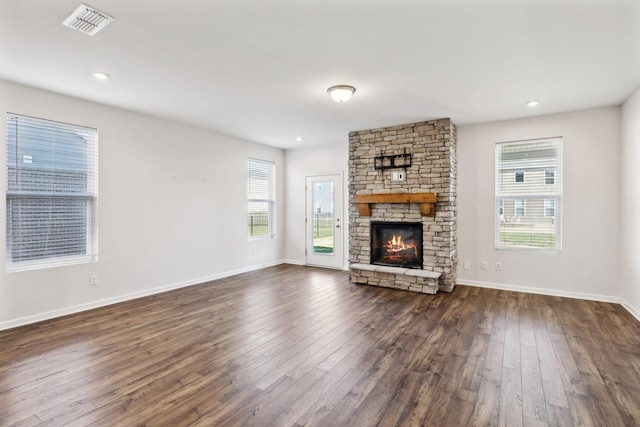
x,y
432,145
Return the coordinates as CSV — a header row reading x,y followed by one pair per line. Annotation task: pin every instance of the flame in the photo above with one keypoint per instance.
x,y
397,244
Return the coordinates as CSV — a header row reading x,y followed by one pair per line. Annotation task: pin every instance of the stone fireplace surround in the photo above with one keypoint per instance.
x,y
432,145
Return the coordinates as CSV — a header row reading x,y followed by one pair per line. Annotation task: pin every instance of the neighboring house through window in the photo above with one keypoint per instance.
x,y
549,177
52,193
519,177
549,207
530,214
261,195
519,207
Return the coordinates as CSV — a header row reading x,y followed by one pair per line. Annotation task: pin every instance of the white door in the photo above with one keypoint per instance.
x,y
324,221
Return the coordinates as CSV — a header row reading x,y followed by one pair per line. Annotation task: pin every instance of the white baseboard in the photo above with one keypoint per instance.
x,y
344,267
541,291
13,323
631,309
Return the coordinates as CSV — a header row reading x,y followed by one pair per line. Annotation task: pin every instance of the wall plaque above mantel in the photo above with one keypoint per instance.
x,y
427,201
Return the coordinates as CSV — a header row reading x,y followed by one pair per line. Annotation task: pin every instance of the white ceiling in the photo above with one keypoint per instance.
x,y
259,69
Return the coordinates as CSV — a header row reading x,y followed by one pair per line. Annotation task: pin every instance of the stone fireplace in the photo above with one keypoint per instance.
x,y
402,211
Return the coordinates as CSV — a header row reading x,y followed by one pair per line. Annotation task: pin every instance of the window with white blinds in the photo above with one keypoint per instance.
x,y
529,194
261,195
52,193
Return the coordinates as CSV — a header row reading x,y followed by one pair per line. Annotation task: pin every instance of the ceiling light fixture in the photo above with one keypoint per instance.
x,y
299,138
101,76
533,102
341,93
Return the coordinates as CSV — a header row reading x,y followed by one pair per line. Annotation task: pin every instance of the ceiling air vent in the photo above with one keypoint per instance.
x,y
87,20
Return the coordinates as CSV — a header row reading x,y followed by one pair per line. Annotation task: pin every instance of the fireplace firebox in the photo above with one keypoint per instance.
x,y
396,244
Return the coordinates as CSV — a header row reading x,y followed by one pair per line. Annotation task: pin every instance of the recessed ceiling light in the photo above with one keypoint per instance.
x,y
341,93
533,102
101,76
299,138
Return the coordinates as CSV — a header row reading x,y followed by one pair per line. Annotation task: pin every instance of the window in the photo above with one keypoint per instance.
x,y
549,207
52,193
549,177
501,208
520,176
261,194
531,218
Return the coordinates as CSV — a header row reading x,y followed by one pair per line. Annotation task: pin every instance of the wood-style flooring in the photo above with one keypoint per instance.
x,y
302,346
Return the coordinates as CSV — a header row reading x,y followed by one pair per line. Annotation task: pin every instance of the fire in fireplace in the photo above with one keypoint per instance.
x,y
396,244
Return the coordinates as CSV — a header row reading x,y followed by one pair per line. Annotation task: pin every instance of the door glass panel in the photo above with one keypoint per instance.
x,y
323,217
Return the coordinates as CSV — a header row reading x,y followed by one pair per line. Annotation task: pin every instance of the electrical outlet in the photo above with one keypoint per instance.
x,y
498,266
466,265
93,280
484,265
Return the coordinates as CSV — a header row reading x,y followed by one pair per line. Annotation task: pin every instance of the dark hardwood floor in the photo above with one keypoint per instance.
x,y
301,346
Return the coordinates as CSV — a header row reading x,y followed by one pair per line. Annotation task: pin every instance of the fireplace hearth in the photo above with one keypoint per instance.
x,y
396,244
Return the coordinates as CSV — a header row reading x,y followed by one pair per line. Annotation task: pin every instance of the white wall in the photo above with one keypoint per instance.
x,y
170,198
172,203
589,264
631,204
303,162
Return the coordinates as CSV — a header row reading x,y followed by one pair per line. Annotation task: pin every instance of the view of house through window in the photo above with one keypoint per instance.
x,y
261,195
549,177
528,208
52,193
519,176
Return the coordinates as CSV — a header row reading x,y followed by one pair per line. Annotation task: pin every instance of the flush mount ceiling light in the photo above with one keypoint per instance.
x,y
299,138
341,93
87,20
101,76
533,102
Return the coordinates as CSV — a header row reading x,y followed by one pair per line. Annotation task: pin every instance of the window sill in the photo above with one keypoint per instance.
x,y
39,265
255,238
540,251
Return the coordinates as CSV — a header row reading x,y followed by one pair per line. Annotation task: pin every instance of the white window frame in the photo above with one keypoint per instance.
x,y
45,195
261,193
531,191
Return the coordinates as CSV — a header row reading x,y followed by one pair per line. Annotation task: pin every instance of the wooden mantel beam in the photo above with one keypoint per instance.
x,y
426,200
